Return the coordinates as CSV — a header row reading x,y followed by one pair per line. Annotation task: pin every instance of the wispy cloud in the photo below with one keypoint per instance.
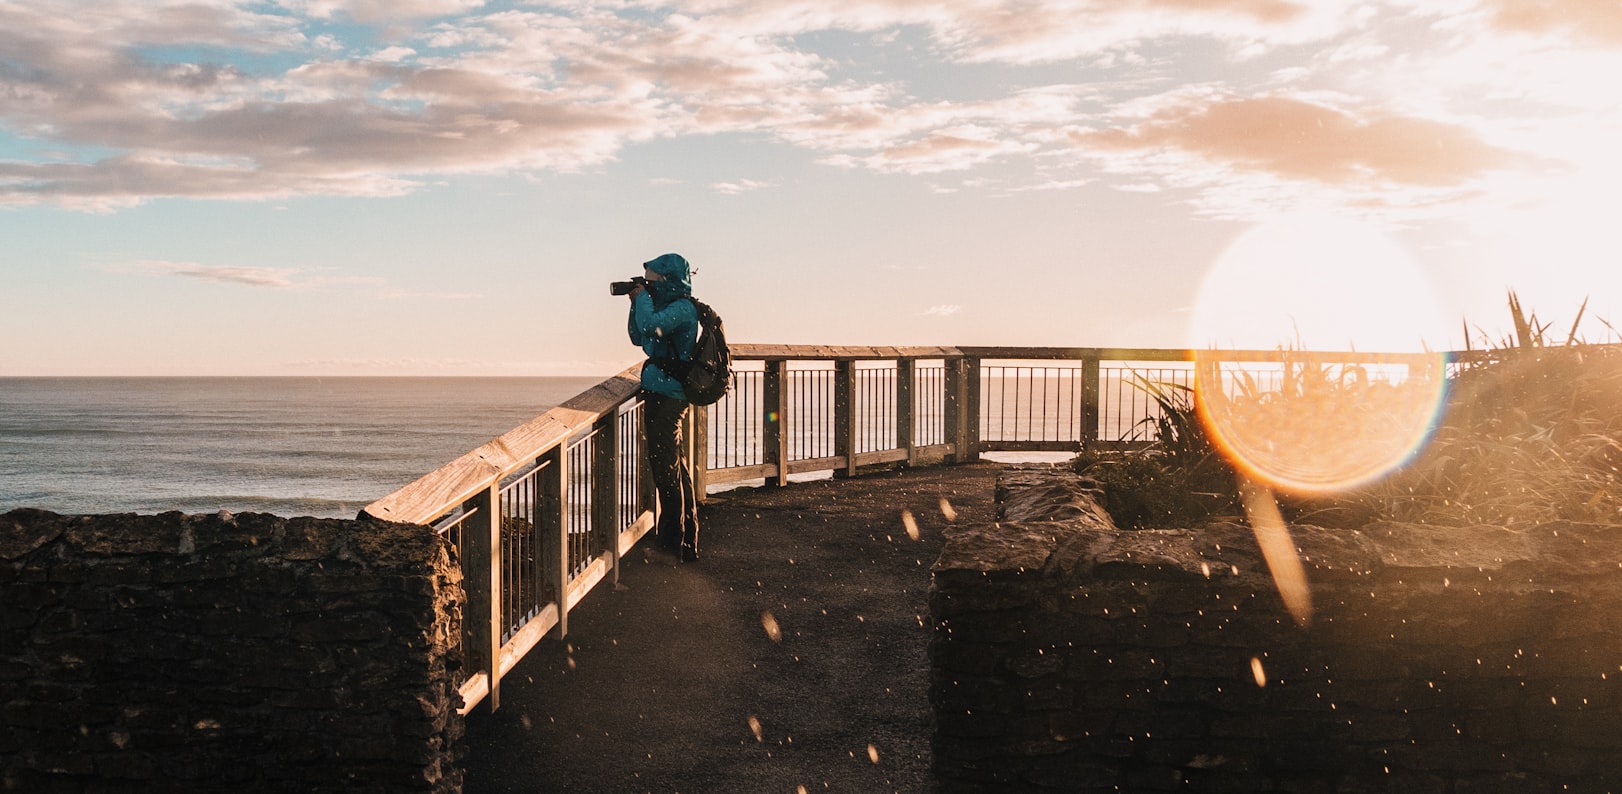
x,y
942,310
1301,140
740,186
275,277
284,278
1595,21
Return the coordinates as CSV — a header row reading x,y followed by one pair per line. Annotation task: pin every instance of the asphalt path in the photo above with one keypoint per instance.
x,y
793,656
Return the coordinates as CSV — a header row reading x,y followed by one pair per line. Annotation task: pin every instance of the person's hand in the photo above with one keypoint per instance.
x,y
637,290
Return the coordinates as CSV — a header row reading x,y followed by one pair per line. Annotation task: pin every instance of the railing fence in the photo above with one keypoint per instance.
x,y
542,514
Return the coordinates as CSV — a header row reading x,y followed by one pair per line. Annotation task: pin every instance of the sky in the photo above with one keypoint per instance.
x,y
446,187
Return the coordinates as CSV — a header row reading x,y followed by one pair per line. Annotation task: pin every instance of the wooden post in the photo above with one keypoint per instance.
x,y
481,566
845,423
605,490
699,421
1090,373
644,470
774,420
971,409
952,412
904,405
553,516
963,408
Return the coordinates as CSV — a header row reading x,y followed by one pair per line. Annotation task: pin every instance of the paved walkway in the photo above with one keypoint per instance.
x,y
673,682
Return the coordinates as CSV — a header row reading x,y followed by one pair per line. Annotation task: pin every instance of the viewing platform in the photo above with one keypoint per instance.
x,y
658,682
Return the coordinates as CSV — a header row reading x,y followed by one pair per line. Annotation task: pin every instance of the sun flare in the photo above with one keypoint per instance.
x,y
1331,297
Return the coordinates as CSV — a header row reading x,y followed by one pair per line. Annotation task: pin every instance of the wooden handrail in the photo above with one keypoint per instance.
x,y
430,496
1173,354
757,352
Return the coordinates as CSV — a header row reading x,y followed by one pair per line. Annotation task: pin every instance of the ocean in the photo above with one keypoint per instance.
x,y
300,446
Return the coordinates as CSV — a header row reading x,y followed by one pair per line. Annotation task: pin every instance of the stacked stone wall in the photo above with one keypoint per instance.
x,y
1071,656
242,653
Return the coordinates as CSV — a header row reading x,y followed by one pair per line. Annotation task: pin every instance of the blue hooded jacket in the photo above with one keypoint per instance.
x,y
663,324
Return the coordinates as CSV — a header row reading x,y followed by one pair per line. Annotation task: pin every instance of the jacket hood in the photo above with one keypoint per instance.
x,y
677,275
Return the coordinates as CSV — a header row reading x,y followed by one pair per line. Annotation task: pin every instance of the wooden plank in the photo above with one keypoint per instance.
x,y
473,691
774,438
845,414
481,568
527,637
629,536
588,578
904,405
1077,353
741,473
956,427
829,352
552,524
1030,446
754,351
605,492
816,464
1090,411
969,444
699,459
477,686
881,456
1174,354
762,351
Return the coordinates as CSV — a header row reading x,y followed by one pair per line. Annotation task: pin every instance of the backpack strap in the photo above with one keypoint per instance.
x,y
677,367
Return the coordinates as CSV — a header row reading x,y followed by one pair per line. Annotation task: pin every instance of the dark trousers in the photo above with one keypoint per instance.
x,y
662,420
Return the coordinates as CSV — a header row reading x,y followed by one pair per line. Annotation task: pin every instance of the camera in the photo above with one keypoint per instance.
x,y
625,287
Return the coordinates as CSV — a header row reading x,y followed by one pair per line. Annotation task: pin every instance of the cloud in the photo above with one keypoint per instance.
x,y
998,31
938,151
282,278
379,10
114,103
1591,21
277,277
1300,140
935,137
740,186
942,310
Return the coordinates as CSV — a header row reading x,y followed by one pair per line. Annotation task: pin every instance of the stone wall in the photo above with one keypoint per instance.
x,y
243,652
1071,656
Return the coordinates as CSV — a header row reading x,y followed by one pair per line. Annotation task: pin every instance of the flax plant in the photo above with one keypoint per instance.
x,y
1178,480
1531,432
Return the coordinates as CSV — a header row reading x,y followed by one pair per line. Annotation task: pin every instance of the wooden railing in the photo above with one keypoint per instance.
x,y
543,513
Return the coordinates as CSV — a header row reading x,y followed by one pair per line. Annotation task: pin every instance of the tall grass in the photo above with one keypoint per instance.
x,y
1531,432
1179,480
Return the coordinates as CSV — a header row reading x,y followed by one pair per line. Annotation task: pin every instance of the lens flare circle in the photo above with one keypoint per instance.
x,y
1323,428
1317,422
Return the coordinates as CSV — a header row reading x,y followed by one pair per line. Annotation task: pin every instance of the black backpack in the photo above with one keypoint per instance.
x,y
708,375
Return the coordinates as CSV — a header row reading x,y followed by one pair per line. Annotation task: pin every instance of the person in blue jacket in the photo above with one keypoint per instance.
x,y
665,325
